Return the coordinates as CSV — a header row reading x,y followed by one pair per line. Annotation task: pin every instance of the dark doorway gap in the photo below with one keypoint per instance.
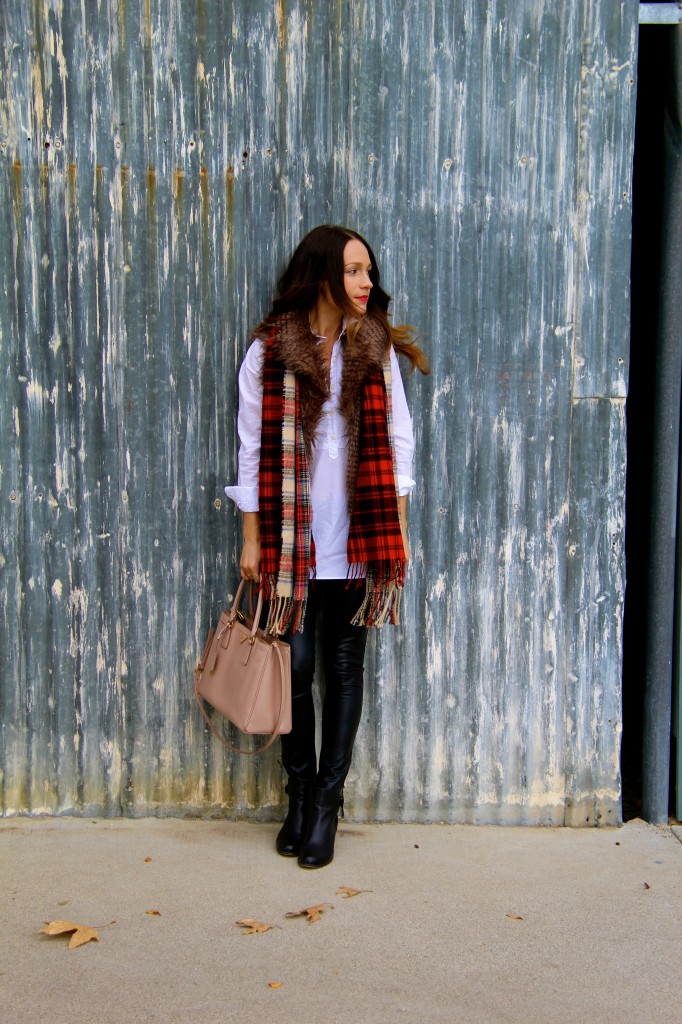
x,y
647,194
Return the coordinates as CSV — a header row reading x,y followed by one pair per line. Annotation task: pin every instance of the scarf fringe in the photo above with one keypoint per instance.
x,y
286,615
382,600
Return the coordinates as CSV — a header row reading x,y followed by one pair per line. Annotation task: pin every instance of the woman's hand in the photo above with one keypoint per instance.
x,y
249,563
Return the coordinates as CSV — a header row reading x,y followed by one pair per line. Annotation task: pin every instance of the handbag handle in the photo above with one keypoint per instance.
x,y
259,605
238,596
275,645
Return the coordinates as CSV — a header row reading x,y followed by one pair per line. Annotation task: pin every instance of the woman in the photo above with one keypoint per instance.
x,y
324,472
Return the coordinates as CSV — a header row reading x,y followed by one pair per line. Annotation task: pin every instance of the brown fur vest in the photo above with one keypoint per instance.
x,y
298,349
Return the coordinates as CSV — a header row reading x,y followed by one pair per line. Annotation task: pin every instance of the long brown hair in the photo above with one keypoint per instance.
x,y
318,259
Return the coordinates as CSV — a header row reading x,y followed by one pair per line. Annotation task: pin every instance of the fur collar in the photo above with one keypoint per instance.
x,y
298,349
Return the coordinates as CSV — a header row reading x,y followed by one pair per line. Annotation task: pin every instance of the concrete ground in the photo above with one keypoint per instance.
x,y
458,923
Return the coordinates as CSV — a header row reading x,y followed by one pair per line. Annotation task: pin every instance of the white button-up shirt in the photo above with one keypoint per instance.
x,y
330,520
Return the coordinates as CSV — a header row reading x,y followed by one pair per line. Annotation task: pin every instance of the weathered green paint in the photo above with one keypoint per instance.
x,y
158,162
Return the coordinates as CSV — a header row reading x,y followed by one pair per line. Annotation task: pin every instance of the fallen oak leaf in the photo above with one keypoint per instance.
x,y
252,927
347,893
81,933
312,913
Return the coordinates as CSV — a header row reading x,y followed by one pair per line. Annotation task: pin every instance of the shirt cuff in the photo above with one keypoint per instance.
x,y
245,498
405,485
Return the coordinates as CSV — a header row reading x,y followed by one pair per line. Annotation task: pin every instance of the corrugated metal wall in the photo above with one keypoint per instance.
x,y
158,162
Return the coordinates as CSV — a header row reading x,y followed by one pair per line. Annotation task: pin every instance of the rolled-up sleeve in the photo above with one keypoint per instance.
x,y
245,494
402,430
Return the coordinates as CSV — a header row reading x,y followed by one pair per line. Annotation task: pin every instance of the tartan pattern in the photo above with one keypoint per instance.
x,y
375,546
270,468
375,540
285,578
286,584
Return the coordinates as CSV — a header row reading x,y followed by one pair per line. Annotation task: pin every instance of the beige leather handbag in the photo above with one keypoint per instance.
x,y
245,674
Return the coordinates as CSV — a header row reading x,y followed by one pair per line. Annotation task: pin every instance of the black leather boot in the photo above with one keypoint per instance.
x,y
290,836
317,848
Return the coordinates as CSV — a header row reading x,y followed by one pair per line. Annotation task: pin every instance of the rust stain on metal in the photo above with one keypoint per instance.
x,y
45,182
17,176
122,22
72,177
178,180
281,16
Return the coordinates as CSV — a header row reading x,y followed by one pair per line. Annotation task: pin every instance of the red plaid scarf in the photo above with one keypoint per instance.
x,y
375,546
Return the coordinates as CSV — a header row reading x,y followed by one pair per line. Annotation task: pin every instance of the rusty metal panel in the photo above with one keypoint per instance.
x,y
158,161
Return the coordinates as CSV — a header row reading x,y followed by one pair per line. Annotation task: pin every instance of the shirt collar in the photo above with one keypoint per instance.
x,y
341,332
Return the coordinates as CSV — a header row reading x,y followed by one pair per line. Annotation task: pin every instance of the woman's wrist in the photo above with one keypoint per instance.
x,y
251,527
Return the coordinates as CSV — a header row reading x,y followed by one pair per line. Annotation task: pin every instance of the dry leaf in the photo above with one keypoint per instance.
x,y
83,935
274,984
252,927
59,927
312,913
147,860
344,891
153,913
81,932
515,917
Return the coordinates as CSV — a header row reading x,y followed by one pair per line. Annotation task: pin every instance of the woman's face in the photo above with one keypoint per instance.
x,y
356,268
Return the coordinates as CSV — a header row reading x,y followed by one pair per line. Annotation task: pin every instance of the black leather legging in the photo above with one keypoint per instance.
x,y
343,652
